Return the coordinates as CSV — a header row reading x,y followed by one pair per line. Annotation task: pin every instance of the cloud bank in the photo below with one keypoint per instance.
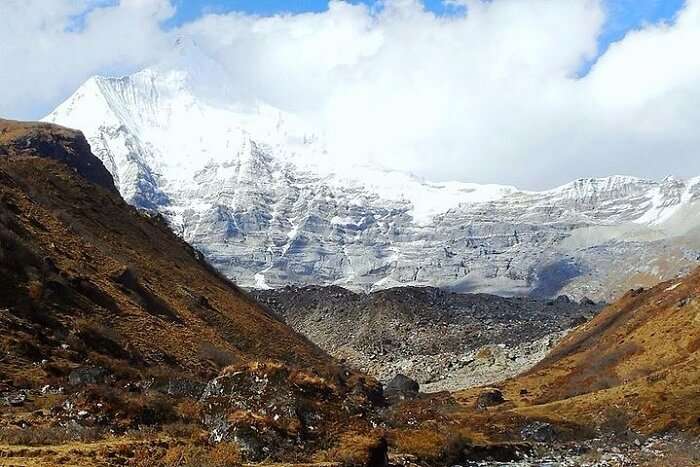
x,y
493,95
48,48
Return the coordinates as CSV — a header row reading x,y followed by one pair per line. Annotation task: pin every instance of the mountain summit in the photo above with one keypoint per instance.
x,y
257,191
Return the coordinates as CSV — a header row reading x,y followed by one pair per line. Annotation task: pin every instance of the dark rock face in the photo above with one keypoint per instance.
x,y
57,143
540,432
401,387
378,455
503,452
87,375
489,397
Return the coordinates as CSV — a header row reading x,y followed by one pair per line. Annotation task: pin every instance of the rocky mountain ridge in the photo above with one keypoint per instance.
x,y
22,139
257,191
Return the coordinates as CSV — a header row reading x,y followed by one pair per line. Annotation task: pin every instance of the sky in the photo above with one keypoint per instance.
x,y
622,16
526,92
188,10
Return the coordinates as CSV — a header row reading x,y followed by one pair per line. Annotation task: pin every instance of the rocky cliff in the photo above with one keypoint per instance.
x,y
57,143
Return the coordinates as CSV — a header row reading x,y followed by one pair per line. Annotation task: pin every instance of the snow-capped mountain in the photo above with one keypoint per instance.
x,y
256,190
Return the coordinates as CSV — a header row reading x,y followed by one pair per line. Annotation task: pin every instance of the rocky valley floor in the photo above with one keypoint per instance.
x,y
443,340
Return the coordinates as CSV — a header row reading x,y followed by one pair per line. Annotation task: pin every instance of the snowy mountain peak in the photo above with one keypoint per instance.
x,y
584,187
186,56
256,189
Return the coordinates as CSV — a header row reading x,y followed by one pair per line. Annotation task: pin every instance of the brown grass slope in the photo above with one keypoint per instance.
x,y
117,335
85,278
636,365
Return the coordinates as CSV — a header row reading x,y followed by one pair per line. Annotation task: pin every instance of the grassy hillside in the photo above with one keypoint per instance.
x,y
111,326
635,366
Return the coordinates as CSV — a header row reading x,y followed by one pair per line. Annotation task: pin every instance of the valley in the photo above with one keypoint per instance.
x,y
349,233
443,340
123,346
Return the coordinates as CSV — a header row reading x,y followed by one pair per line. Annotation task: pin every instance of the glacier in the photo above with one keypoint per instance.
x,y
257,191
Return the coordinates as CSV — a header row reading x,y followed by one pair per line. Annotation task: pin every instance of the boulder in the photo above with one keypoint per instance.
x,y
127,277
540,432
182,387
489,397
87,375
562,300
17,399
378,454
578,321
401,387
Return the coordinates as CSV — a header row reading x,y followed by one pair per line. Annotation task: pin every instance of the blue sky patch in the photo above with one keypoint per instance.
x,y
622,15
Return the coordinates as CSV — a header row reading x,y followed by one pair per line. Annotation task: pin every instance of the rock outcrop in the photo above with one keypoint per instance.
x,y
54,142
401,387
489,397
269,408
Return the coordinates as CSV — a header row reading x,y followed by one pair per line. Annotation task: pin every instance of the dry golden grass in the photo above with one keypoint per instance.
x,y
192,455
424,444
225,455
304,378
635,366
351,449
189,410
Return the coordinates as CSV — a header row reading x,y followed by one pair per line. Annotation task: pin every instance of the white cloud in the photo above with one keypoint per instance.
x,y
492,96
48,48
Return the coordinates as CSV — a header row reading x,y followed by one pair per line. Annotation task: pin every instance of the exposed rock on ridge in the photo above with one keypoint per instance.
x,y
54,142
